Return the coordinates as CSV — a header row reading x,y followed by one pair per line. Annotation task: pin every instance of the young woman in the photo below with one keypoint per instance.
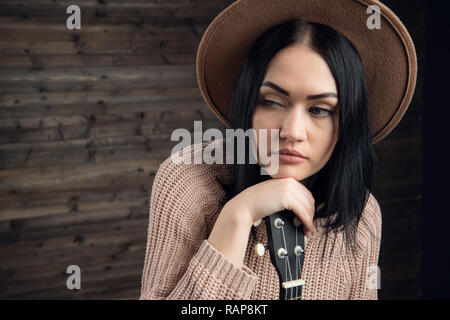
x,y
307,80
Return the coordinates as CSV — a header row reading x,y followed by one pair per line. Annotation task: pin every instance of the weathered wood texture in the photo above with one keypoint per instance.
x,y
85,119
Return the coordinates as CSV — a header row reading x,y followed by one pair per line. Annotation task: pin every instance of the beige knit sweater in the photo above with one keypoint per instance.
x,y
180,263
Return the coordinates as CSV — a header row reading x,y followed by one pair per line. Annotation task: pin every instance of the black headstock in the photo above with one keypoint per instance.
x,y
286,245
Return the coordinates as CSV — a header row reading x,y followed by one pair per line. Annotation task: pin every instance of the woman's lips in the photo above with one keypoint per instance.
x,y
289,158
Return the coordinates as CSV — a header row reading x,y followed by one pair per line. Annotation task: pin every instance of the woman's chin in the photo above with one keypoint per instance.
x,y
289,173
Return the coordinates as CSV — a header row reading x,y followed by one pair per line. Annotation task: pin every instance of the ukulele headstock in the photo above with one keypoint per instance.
x,y
286,242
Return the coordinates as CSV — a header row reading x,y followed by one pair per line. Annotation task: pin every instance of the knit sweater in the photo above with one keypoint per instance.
x,y
180,263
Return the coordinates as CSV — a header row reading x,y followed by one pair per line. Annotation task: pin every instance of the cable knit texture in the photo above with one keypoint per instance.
x,y
180,263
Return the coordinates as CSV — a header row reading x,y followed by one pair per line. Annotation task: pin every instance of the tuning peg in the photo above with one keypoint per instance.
x,y
257,223
278,223
298,250
282,253
260,248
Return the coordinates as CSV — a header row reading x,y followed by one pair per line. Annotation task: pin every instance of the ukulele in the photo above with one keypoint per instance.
x,y
286,244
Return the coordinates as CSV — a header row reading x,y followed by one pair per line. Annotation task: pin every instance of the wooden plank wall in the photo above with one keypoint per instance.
x,y
85,119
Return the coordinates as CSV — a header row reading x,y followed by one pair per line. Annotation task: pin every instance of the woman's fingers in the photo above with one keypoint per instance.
x,y
306,218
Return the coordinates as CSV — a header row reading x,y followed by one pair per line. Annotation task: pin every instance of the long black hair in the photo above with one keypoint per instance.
x,y
344,183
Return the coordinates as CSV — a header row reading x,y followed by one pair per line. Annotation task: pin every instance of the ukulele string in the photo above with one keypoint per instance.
x,y
296,262
285,272
289,267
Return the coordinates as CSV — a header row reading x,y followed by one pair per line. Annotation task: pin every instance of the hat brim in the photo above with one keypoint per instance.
x,y
388,54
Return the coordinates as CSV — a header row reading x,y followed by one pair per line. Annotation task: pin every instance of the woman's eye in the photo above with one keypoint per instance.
x,y
321,111
269,103
315,110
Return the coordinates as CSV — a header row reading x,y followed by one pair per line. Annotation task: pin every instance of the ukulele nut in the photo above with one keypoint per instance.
x,y
278,223
282,253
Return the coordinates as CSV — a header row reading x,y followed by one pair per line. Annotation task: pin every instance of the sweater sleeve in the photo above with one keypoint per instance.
x,y
180,263
367,274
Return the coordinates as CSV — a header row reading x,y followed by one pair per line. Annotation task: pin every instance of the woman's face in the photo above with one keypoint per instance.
x,y
307,124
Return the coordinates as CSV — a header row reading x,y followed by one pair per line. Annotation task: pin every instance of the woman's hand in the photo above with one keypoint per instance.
x,y
273,195
231,229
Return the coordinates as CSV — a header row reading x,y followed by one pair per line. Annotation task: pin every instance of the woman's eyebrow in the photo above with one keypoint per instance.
x,y
286,93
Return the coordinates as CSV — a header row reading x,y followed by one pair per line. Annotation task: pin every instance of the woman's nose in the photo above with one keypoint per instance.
x,y
294,126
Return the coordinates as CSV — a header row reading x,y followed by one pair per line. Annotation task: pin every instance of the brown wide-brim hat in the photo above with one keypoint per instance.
x,y
387,53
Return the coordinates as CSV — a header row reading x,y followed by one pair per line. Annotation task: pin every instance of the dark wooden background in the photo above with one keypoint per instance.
x,y
85,120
